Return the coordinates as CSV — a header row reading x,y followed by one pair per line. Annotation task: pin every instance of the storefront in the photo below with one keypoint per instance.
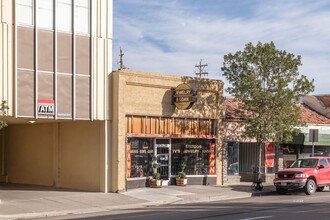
x,y
175,119
171,150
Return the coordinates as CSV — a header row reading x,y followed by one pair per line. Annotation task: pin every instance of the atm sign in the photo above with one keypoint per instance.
x,y
45,107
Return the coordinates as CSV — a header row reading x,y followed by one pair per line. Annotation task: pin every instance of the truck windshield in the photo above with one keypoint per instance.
x,y
304,163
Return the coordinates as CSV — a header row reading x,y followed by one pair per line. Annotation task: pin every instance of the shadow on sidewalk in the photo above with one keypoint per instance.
x,y
27,187
268,189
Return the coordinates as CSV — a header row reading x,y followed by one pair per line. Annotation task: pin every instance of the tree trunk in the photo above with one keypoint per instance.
x,y
260,158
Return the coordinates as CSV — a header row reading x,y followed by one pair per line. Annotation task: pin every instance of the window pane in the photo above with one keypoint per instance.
x,y
198,156
82,17
64,15
139,157
233,156
25,12
45,14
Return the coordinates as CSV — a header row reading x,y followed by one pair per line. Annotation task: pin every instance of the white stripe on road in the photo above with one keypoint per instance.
x,y
260,217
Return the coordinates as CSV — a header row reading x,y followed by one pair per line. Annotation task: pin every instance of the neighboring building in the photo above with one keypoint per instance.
x,y
73,124
242,155
55,64
148,121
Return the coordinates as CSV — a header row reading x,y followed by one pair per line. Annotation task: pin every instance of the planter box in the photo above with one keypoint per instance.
x,y
181,181
156,183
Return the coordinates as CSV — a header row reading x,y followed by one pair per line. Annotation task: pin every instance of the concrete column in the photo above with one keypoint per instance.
x,y
220,145
56,155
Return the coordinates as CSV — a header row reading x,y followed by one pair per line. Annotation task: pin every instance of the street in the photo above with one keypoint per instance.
x,y
291,206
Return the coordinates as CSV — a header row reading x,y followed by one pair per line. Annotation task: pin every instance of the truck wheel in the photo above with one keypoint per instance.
x,y
320,189
310,187
281,191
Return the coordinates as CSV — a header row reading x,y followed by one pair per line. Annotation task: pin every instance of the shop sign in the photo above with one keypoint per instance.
x,y
141,151
129,160
269,154
163,145
212,159
45,107
184,96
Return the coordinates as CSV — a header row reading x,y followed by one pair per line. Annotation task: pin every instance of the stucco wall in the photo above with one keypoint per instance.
x,y
79,155
56,154
150,94
29,154
145,93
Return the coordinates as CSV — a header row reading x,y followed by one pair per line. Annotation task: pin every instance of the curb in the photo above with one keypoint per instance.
x,y
214,198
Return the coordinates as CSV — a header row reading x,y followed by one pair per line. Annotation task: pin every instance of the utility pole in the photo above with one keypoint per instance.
x,y
121,62
201,68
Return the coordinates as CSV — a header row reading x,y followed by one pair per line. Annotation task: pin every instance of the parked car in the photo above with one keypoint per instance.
x,y
309,174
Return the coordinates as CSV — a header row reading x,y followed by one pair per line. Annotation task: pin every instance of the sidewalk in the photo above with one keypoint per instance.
x,y
25,201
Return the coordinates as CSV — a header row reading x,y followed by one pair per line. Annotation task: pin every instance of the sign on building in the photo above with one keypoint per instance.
x,y
46,107
184,96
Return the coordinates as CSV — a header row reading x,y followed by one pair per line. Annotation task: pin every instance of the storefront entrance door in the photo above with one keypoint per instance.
x,y
163,157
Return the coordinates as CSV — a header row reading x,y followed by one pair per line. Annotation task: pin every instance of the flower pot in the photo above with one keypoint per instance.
x,y
181,181
156,183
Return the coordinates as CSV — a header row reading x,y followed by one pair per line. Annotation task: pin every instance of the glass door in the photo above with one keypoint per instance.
x,y
163,157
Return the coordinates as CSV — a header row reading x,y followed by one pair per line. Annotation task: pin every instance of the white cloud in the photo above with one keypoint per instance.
x,y
172,36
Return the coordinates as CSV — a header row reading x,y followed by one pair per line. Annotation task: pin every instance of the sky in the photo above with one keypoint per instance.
x,y
172,36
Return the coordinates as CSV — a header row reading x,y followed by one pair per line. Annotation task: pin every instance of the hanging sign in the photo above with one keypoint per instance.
x,y
184,96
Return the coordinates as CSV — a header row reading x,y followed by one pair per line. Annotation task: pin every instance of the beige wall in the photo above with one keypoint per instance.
x,y
69,155
29,154
144,93
149,94
6,55
102,56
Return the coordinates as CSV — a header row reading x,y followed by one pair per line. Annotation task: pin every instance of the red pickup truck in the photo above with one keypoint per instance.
x,y
310,174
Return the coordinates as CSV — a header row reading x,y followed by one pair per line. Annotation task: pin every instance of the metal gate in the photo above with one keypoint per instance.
x,y
163,157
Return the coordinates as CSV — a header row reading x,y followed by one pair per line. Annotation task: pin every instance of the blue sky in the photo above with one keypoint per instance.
x,y
172,36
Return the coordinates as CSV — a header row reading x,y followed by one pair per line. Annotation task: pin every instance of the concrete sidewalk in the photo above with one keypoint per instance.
x,y
25,201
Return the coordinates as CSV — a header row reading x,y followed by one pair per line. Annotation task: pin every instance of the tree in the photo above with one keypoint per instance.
x,y
267,83
3,112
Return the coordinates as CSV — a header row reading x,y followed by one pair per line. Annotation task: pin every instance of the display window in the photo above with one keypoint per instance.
x,y
198,155
139,157
233,159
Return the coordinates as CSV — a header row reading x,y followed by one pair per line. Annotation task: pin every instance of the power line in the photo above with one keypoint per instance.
x,y
121,62
200,67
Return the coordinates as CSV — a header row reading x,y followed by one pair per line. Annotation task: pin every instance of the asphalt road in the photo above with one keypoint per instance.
x,y
291,206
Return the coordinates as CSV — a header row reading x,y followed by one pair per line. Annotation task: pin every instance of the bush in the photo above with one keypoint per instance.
x,y
156,176
182,175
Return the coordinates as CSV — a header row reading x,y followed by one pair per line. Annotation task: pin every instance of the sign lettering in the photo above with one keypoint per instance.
x,y
46,107
184,96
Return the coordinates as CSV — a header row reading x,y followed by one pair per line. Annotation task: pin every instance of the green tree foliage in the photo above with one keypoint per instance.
x,y
3,112
267,83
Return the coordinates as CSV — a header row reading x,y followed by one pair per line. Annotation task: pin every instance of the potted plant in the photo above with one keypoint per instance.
x,y
181,179
154,164
155,182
